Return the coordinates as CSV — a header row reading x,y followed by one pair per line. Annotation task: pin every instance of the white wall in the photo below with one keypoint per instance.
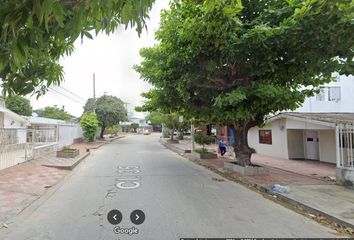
x,y
8,120
279,146
346,104
327,146
68,133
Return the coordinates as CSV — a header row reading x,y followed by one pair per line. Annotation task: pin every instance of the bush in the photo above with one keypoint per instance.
x,y
89,124
200,150
113,130
203,139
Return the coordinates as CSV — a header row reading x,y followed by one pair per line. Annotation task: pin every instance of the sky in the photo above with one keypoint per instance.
x,y
111,58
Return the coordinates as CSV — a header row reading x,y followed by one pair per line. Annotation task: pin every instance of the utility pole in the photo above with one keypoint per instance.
x,y
94,93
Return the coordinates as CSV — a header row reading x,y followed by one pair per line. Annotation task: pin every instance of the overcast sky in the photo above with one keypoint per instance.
x,y
111,58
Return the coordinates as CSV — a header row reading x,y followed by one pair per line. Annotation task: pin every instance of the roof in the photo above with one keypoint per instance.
x,y
45,121
13,115
324,117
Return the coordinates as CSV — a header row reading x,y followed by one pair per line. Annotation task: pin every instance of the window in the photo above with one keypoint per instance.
x,y
321,95
334,94
265,136
329,94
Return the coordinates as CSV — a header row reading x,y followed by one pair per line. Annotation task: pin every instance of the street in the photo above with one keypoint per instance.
x,y
179,198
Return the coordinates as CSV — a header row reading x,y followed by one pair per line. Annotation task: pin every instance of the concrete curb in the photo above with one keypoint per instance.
x,y
69,167
268,191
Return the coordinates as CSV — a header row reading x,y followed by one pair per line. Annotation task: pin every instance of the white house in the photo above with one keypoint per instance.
x,y
336,96
12,126
12,137
326,137
47,132
9,119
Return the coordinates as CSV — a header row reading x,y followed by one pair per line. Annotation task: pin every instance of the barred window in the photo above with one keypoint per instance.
x,y
265,137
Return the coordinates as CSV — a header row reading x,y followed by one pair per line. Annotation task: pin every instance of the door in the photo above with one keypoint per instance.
x,y
311,145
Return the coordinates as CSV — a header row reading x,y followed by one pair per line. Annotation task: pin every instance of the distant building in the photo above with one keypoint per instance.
x,y
143,124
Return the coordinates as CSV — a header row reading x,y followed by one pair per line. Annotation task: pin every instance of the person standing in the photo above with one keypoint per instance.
x,y
222,146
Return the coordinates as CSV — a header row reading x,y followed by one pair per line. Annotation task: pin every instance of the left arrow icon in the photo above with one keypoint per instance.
x,y
114,217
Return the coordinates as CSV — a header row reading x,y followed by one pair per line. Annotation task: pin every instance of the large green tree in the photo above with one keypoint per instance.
x,y
36,33
110,111
155,118
54,113
19,105
235,62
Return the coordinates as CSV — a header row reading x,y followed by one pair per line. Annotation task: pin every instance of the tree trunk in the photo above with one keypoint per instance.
x,y
173,131
242,151
102,131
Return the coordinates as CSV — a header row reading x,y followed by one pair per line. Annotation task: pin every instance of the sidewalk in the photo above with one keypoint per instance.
x,y
311,184
24,183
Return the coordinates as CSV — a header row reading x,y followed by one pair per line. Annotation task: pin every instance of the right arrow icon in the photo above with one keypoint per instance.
x,y
137,217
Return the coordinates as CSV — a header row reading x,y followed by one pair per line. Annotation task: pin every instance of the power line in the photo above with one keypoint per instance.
x,y
74,94
62,94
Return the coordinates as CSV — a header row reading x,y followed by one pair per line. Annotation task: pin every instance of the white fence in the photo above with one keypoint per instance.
x,y
13,147
20,144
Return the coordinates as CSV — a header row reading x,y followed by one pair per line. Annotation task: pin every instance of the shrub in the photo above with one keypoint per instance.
x,y
89,124
200,150
203,139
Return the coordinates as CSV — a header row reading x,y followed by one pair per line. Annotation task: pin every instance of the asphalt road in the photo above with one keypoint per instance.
x,y
179,199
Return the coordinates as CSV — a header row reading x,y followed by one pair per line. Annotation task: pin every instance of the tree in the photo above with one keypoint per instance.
x,y
36,34
155,118
235,62
171,121
134,126
89,124
203,139
19,105
110,111
54,113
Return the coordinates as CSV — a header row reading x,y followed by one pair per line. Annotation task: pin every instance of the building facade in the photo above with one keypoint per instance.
x,y
336,96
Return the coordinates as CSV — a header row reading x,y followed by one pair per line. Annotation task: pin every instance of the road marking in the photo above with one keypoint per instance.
x,y
128,178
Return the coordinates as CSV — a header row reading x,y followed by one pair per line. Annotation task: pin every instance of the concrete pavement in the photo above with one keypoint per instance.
x,y
310,188
179,198
22,184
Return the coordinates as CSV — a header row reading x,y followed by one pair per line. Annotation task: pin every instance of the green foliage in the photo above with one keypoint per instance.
x,y
19,105
235,62
203,139
35,34
110,111
54,113
200,150
89,124
134,126
114,129
155,118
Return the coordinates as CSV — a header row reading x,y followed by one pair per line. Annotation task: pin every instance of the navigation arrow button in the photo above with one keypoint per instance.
x,y
137,217
114,217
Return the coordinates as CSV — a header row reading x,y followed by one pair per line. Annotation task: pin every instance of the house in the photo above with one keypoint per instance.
x,y
52,133
336,96
12,137
325,137
9,119
138,119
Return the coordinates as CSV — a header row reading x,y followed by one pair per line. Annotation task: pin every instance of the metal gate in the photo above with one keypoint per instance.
x,y
345,145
